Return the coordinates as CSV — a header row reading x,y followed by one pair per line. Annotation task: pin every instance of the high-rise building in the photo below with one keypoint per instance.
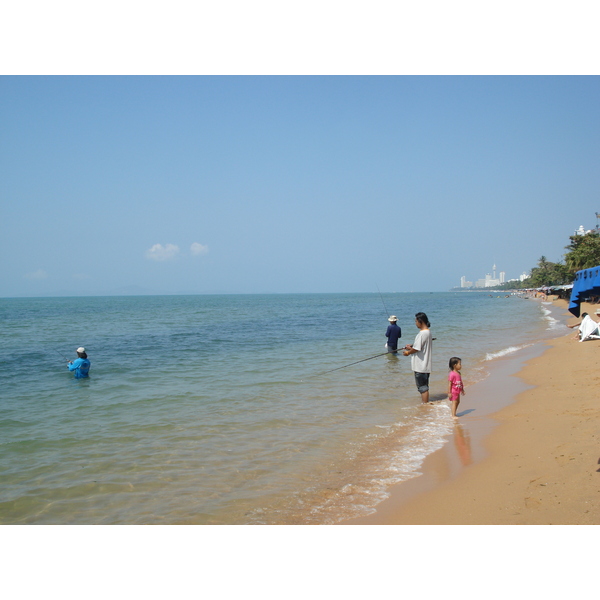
x,y
490,280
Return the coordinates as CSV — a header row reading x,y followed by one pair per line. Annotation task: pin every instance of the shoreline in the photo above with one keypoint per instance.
x,y
525,451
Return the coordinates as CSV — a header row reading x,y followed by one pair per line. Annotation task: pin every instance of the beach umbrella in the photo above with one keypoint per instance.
x,y
586,284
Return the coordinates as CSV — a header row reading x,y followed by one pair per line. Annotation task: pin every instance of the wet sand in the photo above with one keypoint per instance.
x,y
525,450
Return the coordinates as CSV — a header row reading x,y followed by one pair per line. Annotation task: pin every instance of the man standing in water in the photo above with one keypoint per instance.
x,y
393,333
420,353
81,366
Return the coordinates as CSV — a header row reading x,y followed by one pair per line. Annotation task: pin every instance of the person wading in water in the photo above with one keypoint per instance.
x,y
420,355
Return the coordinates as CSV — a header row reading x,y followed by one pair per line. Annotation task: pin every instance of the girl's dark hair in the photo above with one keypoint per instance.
x,y
422,318
453,362
82,354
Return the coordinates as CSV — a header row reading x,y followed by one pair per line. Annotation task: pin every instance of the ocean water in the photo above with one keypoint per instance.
x,y
231,409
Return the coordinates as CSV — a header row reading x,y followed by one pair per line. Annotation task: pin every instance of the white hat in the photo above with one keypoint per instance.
x,y
392,319
81,349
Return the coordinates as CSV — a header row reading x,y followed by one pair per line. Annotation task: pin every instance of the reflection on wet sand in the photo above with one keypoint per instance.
x,y
462,444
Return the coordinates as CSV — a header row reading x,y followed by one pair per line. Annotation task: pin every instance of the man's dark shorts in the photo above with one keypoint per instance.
x,y
422,381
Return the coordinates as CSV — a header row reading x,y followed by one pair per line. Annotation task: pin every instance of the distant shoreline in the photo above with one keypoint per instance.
x,y
488,290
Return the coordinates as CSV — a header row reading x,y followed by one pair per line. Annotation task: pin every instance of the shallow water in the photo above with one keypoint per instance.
x,y
215,409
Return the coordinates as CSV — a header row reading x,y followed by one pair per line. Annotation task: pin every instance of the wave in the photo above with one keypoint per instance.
x,y
552,322
509,350
392,457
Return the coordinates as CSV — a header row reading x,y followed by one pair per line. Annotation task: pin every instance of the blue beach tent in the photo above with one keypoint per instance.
x,y
587,283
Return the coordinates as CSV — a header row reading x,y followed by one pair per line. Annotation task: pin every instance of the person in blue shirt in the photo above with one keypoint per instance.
x,y
81,366
393,333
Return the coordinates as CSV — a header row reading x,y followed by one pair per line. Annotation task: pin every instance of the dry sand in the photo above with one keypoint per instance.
x,y
533,461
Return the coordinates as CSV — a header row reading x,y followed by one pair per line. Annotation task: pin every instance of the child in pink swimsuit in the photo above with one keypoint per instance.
x,y
455,384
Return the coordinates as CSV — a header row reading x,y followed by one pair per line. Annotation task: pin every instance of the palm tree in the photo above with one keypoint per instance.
x,y
583,252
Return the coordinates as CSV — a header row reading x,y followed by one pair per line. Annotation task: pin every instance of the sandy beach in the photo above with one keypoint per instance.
x,y
525,450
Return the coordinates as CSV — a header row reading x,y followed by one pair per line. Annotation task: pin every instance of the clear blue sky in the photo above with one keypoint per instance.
x,y
236,184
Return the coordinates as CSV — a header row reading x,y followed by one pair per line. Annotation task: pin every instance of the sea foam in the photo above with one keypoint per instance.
x,y
509,350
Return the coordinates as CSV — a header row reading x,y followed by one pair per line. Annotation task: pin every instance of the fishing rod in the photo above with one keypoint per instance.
x,y
61,354
387,312
358,361
363,360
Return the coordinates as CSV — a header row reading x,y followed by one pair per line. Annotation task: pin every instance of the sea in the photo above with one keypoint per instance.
x,y
232,409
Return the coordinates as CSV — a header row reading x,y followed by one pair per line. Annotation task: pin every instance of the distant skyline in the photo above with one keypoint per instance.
x,y
287,184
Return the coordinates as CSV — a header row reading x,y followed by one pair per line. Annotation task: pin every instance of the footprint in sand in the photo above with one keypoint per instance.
x,y
532,503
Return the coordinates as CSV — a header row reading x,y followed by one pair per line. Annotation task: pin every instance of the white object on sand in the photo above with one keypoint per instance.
x,y
588,330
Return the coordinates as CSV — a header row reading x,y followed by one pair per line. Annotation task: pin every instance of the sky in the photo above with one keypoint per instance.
x,y
289,184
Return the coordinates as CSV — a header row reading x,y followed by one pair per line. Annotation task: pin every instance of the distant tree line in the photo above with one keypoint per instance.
x,y
582,253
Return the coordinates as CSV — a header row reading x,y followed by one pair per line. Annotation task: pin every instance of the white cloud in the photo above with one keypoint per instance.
x,y
160,252
37,275
198,249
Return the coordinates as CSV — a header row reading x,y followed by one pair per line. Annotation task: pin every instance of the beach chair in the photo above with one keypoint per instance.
x,y
588,330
